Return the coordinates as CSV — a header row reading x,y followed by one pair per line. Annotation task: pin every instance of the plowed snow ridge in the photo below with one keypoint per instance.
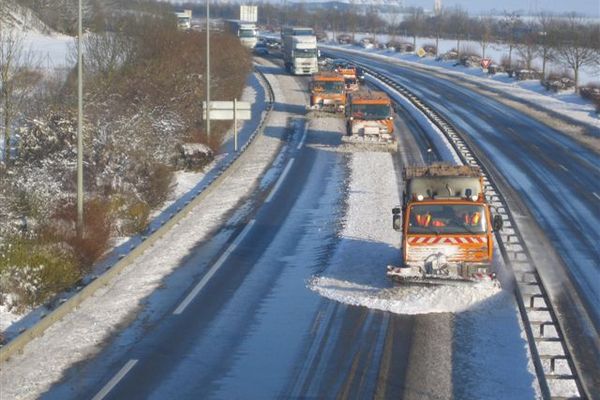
x,y
369,244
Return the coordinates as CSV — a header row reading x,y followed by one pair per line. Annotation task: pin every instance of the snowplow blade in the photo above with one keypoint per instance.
x,y
411,276
374,144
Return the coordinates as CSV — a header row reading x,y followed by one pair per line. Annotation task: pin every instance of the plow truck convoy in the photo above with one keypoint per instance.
x,y
446,226
349,72
327,92
369,119
299,47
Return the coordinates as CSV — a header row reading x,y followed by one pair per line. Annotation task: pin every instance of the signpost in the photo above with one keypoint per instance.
x,y
227,110
486,62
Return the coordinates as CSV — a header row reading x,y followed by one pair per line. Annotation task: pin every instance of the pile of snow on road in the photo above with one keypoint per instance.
x,y
406,299
368,243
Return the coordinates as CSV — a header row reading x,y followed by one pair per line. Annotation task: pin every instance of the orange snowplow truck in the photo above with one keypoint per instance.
x,y
327,92
349,74
447,227
369,118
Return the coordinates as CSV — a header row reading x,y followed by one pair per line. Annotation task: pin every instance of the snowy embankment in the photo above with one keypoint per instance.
x,y
566,103
81,334
185,183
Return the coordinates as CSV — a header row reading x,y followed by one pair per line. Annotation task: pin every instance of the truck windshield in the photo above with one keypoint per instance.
x,y
305,53
329,87
446,218
246,33
370,111
303,32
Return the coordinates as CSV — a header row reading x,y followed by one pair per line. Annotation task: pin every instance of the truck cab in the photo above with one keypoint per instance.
x,y
327,92
184,19
299,47
446,224
369,116
349,73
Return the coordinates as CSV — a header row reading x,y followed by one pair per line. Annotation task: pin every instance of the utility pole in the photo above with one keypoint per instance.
x,y
79,127
207,69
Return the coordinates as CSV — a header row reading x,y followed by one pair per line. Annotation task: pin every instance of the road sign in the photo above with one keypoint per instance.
x,y
421,52
226,110
486,62
223,110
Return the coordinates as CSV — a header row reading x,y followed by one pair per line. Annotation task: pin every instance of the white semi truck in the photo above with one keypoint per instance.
x,y
184,19
299,50
245,31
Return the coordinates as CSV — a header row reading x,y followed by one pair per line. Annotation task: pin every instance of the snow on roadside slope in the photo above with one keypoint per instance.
x,y
80,334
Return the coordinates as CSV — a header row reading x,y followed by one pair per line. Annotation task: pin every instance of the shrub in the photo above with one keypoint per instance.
x,y
157,180
33,271
131,215
97,229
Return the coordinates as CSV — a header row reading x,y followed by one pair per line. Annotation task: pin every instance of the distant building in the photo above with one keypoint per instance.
x,y
437,7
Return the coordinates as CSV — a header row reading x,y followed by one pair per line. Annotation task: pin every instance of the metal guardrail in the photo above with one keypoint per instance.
x,y
16,345
554,366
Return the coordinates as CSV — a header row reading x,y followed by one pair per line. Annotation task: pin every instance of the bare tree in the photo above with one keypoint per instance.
x,y
393,27
17,79
486,33
458,22
545,39
438,23
511,24
105,53
576,49
527,46
414,24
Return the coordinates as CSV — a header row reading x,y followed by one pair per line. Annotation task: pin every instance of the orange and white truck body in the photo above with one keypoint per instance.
x,y
369,117
447,228
350,79
327,92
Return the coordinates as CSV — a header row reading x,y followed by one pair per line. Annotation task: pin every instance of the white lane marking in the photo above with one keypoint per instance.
x,y
280,180
563,167
303,136
213,270
115,380
596,195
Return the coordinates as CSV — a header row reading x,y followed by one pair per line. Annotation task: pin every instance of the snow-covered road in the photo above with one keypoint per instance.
x,y
288,299
550,178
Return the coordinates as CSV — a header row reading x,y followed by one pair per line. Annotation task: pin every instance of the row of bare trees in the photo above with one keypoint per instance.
x,y
570,41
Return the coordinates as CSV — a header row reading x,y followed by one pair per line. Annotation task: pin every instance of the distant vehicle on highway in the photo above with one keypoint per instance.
x,y
273,43
261,49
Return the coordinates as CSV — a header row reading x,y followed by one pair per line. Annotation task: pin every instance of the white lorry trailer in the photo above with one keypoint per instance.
x,y
245,31
184,19
299,50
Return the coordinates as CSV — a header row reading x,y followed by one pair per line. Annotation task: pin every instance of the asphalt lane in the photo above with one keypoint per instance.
x,y
556,178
